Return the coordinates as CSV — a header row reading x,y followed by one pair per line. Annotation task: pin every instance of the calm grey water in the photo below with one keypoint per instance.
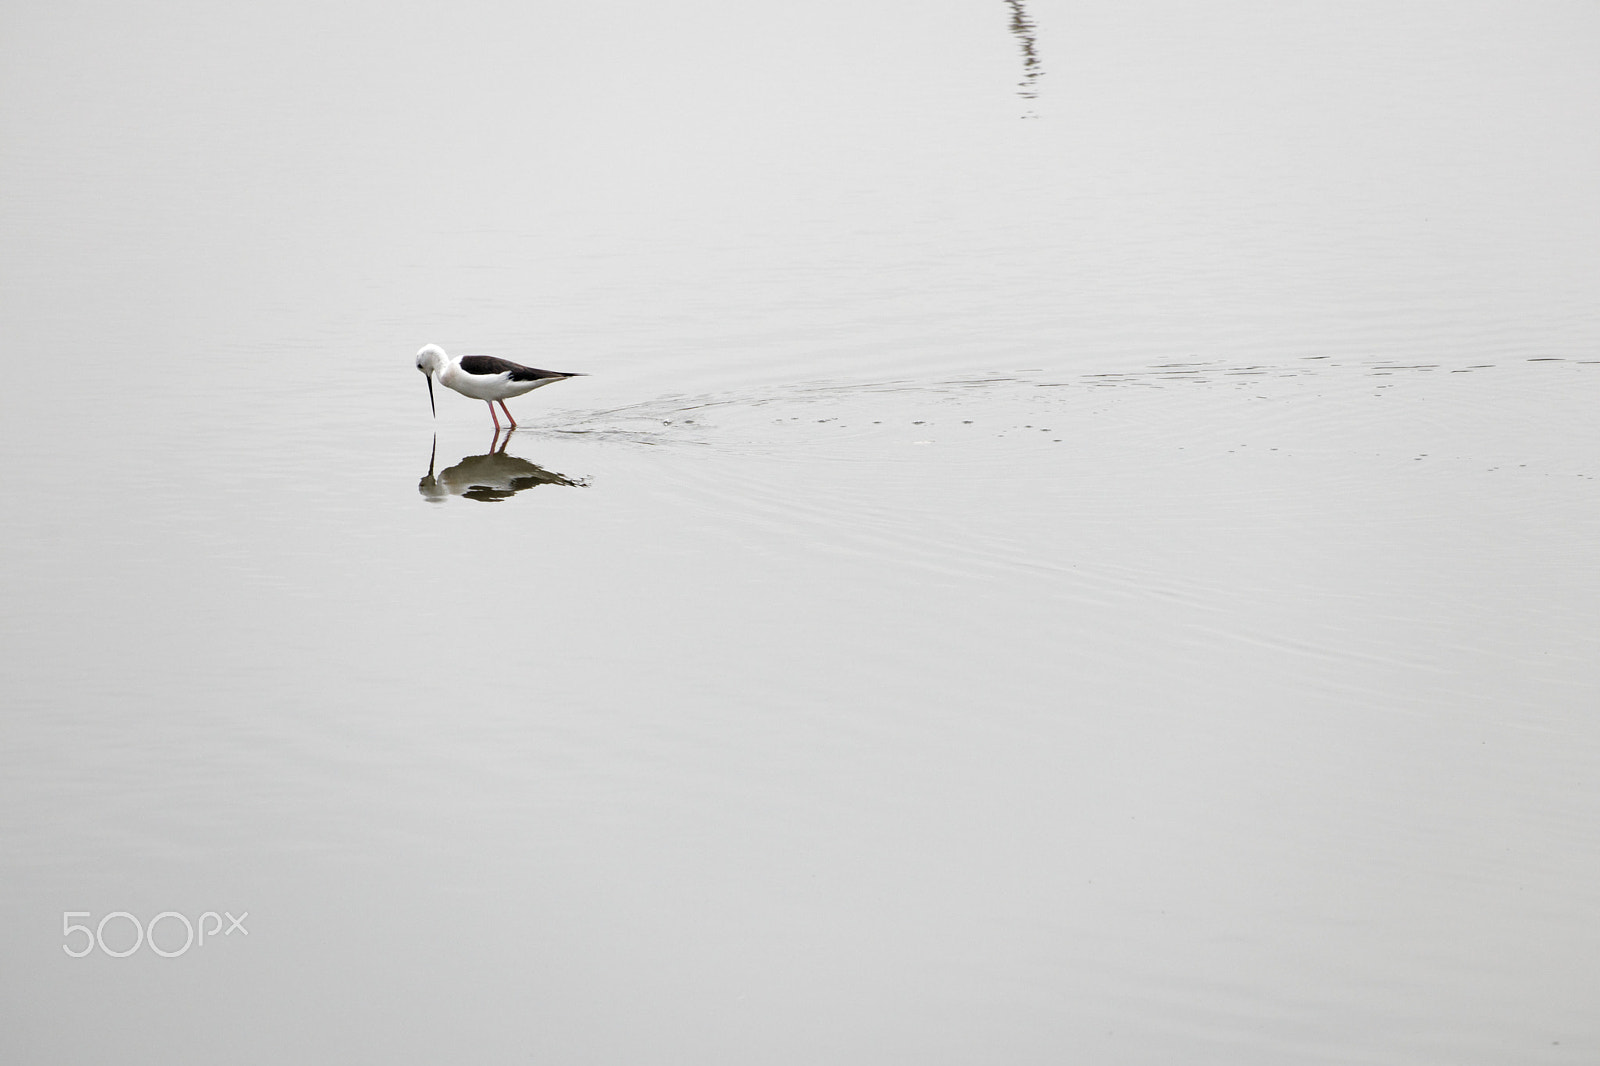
x,y
1078,543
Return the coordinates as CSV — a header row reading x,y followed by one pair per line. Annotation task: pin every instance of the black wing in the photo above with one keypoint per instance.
x,y
489,365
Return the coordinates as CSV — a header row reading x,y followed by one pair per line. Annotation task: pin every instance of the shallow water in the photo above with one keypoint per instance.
x,y
1077,542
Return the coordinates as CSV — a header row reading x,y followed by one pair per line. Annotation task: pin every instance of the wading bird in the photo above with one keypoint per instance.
x,y
482,377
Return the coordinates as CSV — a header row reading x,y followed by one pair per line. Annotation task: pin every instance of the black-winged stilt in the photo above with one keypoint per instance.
x,y
483,377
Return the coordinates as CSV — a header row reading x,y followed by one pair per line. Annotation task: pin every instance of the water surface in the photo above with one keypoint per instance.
x,y
1077,542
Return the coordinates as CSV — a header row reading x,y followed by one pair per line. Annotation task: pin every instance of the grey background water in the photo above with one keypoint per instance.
x,y
1078,542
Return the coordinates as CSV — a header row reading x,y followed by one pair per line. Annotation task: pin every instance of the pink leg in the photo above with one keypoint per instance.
x,y
507,410
492,414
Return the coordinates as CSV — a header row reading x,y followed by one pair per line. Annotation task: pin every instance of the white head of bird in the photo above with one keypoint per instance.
x,y
430,360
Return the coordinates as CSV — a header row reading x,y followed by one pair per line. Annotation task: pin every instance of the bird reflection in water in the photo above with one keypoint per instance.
x,y
1022,27
489,477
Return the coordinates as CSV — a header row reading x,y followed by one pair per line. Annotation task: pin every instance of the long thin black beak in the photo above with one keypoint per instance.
x,y
431,407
